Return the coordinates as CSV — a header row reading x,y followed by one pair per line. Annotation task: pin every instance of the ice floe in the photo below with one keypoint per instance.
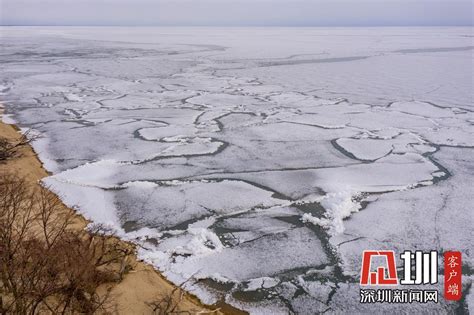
x,y
257,164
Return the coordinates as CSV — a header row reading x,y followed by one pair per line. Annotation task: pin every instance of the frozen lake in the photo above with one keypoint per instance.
x,y
257,162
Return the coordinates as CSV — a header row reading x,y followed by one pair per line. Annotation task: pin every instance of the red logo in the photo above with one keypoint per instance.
x,y
452,276
378,278
417,268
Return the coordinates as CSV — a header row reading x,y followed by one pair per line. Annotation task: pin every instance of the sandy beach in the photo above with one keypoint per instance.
x,y
142,284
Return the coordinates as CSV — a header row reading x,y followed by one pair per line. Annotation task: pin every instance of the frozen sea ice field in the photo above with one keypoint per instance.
x,y
257,164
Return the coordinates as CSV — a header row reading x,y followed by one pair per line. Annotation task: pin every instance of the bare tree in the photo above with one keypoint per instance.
x,y
45,265
9,148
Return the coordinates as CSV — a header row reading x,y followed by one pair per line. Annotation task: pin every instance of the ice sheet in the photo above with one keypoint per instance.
x,y
257,162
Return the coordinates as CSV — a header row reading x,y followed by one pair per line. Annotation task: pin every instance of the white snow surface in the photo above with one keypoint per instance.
x,y
257,162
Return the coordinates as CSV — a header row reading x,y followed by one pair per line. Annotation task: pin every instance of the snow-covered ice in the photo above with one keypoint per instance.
x,y
259,163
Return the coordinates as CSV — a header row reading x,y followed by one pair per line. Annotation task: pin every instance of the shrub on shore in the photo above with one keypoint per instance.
x,y
47,266
8,148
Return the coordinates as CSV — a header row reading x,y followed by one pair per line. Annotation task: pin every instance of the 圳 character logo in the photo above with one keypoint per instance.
x,y
425,268
378,278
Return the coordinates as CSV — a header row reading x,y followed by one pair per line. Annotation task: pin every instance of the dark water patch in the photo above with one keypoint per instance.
x,y
434,50
310,61
183,226
347,153
431,158
310,125
462,305
222,126
223,145
261,294
275,194
131,225
217,285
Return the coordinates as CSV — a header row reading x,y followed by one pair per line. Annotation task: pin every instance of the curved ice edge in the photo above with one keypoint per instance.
x,y
145,251
341,202
40,147
107,218
8,118
158,259
84,201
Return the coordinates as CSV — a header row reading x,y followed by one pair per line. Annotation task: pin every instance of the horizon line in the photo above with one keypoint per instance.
x,y
244,25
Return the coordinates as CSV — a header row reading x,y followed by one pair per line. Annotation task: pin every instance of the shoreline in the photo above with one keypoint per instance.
x,y
143,284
